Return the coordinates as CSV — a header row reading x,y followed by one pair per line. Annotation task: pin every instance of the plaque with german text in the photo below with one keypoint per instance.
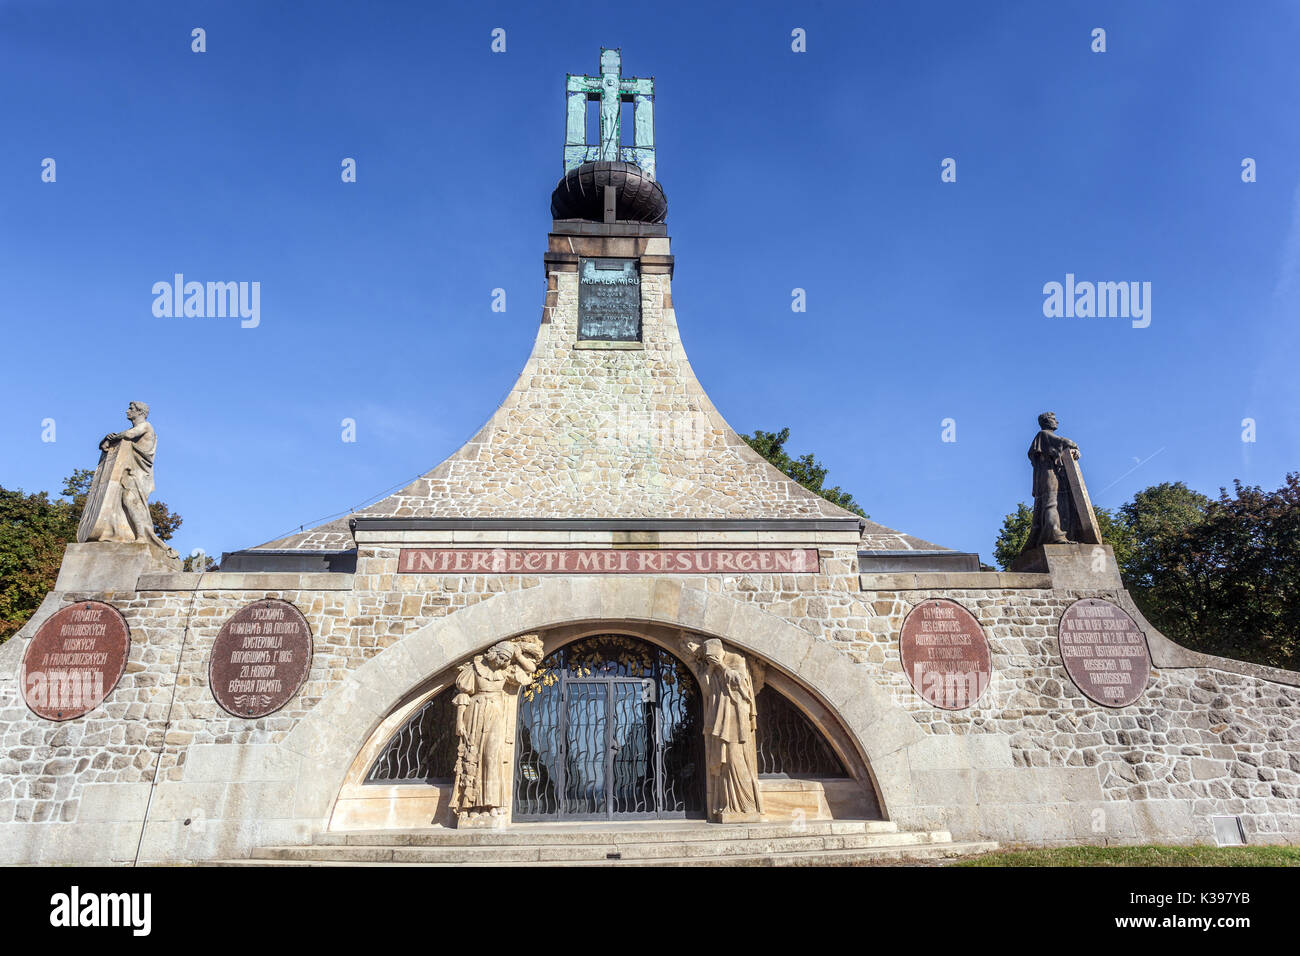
x,y
609,300
945,654
75,660
260,658
1104,652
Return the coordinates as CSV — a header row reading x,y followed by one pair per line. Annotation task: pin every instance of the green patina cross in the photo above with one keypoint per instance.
x,y
612,90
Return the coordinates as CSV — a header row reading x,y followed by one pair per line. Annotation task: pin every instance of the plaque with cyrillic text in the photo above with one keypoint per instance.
x,y
260,658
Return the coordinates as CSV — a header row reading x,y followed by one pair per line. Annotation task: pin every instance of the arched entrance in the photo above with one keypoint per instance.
x,y
809,763
610,729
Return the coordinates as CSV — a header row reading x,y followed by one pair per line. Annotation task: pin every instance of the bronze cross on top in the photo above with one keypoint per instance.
x,y
612,90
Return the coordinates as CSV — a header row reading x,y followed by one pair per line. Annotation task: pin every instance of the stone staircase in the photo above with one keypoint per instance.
x,y
657,843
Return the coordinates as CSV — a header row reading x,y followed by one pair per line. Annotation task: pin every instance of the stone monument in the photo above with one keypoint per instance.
x,y
1063,512
726,642
116,540
731,730
117,506
487,688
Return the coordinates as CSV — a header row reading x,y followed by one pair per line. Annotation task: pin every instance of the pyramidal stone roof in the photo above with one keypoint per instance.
x,y
618,430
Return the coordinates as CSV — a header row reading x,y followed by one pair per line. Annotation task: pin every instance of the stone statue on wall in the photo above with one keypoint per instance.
x,y
117,505
1062,511
730,727
486,690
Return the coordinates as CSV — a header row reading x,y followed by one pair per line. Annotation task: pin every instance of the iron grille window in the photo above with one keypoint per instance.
x,y
788,744
609,729
424,750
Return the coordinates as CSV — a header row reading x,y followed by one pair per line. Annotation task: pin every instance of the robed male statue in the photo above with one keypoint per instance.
x,y
1057,518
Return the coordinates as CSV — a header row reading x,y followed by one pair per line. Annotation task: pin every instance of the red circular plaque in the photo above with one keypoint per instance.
x,y
945,654
75,660
1104,652
260,658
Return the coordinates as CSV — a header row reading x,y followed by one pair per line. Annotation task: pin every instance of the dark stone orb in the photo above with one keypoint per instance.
x,y
581,194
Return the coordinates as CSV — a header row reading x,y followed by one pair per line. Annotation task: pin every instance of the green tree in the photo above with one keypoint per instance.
x,y
806,469
34,530
1163,519
1227,581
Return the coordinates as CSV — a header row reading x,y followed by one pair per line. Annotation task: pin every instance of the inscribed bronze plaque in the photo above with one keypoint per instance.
x,y
75,660
260,658
945,654
1105,652
609,300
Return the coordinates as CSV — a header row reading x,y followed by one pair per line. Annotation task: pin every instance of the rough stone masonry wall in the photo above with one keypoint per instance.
x,y
1037,761
605,432
1034,761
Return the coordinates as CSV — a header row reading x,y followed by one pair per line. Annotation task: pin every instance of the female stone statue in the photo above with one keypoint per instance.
x,y
731,726
486,692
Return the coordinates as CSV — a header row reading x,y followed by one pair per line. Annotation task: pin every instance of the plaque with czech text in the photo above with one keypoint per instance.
x,y
609,300
1104,652
75,660
945,654
261,657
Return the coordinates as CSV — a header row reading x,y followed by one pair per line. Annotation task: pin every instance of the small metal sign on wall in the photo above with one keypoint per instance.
x,y
609,300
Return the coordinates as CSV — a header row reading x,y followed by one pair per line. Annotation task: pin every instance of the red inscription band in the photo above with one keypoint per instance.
x,y
607,561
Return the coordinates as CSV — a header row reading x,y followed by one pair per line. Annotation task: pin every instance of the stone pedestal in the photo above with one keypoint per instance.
x,y
729,816
1075,566
111,566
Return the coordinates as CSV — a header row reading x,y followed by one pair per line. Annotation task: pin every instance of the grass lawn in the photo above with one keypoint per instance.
x,y
1140,856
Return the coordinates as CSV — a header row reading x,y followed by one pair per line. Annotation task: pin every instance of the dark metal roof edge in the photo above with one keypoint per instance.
x,y
263,551
919,551
362,523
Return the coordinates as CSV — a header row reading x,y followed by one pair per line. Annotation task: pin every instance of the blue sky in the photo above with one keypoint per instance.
x,y
816,170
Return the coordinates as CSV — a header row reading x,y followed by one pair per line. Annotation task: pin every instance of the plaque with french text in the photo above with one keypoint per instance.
x,y
1104,652
75,660
609,300
945,654
260,658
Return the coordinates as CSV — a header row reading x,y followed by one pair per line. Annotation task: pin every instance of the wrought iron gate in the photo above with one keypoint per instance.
x,y
610,729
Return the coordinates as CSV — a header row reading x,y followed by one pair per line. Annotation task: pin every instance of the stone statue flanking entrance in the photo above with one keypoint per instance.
x,y
487,688
731,685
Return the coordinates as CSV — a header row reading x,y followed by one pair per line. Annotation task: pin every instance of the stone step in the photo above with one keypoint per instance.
x,y
833,857
622,849
541,834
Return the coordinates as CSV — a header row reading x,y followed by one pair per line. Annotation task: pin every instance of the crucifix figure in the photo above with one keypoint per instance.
x,y
612,91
